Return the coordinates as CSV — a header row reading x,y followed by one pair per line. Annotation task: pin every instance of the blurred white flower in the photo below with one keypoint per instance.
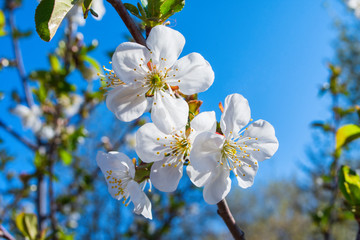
x,y
354,5
71,104
46,133
76,14
30,117
130,140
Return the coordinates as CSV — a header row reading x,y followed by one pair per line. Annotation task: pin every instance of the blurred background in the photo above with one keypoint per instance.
x,y
297,62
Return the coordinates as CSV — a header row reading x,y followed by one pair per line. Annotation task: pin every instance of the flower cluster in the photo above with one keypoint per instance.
x,y
152,78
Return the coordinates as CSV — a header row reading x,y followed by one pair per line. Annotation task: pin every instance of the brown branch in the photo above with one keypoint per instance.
x,y
19,60
18,137
129,22
5,234
225,214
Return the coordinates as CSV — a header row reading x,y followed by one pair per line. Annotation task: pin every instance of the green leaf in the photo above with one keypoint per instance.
x,y
19,34
153,8
142,11
2,24
54,63
349,184
93,63
172,6
132,9
65,156
93,13
49,15
27,224
347,134
86,7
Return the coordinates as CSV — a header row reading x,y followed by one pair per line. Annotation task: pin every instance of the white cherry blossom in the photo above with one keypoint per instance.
x,y
213,156
119,172
71,104
140,73
354,5
170,151
30,117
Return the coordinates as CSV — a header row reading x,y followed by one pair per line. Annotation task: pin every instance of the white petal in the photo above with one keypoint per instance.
x,y
46,132
125,103
148,147
169,113
197,178
218,186
266,141
98,7
204,122
127,59
142,204
246,172
236,114
21,110
165,43
115,161
206,151
192,73
167,178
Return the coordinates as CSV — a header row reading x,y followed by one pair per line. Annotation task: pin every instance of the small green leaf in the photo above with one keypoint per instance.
x,y
153,8
142,11
27,224
2,24
86,7
65,156
93,13
49,15
93,63
349,184
132,9
54,63
172,6
347,134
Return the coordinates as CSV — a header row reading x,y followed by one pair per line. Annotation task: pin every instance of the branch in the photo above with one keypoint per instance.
x,y
225,214
5,234
19,60
18,137
129,22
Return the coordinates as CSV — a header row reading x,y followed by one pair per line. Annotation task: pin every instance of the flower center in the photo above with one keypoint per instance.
x,y
119,181
235,150
176,150
155,79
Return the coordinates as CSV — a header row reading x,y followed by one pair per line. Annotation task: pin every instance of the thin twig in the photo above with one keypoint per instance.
x,y
5,234
19,60
225,214
41,202
129,22
51,191
18,137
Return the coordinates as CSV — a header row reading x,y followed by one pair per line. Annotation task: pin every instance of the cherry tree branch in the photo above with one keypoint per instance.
x,y
18,137
129,22
5,234
225,214
19,60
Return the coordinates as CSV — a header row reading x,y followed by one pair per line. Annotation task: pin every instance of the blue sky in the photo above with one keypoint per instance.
x,y
273,52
